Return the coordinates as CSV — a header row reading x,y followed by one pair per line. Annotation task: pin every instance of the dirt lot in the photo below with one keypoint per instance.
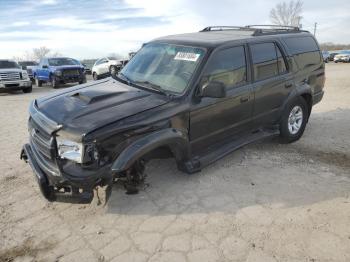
x,y
265,202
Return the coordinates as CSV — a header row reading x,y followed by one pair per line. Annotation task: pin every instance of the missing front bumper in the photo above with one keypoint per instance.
x,y
60,192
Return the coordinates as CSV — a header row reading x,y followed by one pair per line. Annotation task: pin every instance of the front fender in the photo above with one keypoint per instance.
x,y
175,139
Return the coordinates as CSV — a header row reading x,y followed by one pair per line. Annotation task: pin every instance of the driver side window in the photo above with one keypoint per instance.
x,y
227,66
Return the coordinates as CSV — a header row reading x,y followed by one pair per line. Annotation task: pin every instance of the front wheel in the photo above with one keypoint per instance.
x,y
95,76
82,81
113,71
38,82
27,90
293,121
54,83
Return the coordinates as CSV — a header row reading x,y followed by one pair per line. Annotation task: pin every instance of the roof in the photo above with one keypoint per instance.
x,y
214,36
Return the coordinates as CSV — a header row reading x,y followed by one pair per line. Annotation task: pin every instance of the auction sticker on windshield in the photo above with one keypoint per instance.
x,y
187,56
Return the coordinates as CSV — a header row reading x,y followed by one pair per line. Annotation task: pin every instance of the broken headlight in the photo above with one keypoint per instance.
x,y
70,150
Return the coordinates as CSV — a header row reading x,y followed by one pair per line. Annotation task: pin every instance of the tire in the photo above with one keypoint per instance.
x,y
54,83
291,125
95,76
83,81
27,90
38,82
113,70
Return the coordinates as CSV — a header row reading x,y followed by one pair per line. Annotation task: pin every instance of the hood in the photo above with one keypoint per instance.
x,y
8,70
87,107
67,67
342,55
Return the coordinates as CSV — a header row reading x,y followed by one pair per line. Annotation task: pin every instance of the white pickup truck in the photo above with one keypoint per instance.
x,y
13,77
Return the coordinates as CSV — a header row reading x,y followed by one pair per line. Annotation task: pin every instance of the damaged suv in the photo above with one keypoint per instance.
x,y
195,97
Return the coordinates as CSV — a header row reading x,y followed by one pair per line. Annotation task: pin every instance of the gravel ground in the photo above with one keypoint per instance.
x,y
264,202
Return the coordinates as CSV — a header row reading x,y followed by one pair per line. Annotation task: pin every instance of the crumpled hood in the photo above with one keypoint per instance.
x,y
85,108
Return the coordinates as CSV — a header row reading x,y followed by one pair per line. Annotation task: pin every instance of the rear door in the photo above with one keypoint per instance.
x,y
216,119
272,81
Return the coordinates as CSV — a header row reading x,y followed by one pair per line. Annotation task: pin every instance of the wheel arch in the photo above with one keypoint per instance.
x,y
308,99
172,140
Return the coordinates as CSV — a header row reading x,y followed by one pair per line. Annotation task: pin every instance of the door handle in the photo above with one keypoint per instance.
x,y
288,85
244,99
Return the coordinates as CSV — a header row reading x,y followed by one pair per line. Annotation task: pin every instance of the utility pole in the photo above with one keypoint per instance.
x,y
315,27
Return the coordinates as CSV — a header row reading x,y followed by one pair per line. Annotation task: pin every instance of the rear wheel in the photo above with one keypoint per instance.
x,y
38,82
293,121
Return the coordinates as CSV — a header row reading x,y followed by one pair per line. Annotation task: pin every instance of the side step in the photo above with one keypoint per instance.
x,y
226,147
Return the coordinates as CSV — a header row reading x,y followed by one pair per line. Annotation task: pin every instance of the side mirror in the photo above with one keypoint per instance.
x,y
45,66
213,89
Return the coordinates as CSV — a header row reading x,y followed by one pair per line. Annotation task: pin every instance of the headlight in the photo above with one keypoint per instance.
x,y
25,75
70,150
58,73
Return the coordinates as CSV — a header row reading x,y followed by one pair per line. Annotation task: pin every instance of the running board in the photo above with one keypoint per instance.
x,y
222,149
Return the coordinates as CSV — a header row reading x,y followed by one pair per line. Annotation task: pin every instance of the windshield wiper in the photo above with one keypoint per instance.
x,y
153,86
127,79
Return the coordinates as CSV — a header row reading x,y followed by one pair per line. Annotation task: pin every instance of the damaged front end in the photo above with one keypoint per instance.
x,y
57,165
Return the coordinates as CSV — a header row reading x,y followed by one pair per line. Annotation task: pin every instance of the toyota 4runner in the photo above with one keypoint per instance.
x,y
195,97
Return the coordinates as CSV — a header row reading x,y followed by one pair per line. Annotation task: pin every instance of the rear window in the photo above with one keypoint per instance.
x,y
305,51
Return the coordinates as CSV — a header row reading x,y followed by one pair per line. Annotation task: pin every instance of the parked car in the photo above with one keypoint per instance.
x,y
13,77
107,66
58,71
343,56
325,55
331,56
87,70
195,97
30,66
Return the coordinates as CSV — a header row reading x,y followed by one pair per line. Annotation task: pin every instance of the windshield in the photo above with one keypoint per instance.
x,y
27,63
164,66
62,61
8,64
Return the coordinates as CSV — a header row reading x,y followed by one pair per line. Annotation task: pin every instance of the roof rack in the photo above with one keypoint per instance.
x,y
257,29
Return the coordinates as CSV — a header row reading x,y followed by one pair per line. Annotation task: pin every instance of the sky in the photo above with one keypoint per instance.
x,y
91,29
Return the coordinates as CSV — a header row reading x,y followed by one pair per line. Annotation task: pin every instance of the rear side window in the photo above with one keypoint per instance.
x,y
305,51
264,60
268,61
227,66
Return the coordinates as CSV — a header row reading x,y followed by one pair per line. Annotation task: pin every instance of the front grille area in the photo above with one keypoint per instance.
x,y
10,76
71,72
43,147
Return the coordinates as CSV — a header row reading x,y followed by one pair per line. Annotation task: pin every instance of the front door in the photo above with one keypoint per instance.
x,y
216,119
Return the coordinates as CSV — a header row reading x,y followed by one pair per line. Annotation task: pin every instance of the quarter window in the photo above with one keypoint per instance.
x,y
305,51
227,66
